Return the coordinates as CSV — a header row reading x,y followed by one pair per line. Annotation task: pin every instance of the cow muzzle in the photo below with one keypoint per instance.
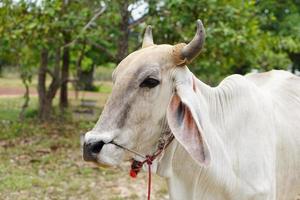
x,y
100,148
91,150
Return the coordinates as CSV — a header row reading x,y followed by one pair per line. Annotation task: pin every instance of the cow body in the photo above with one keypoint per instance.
x,y
237,141
255,143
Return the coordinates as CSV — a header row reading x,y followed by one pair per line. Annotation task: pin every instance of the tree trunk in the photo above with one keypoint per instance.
x,y
124,28
86,79
44,104
45,109
26,97
295,58
78,68
46,96
56,77
242,69
65,75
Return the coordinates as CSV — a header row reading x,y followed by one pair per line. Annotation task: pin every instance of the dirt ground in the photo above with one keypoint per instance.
x,y
51,167
19,91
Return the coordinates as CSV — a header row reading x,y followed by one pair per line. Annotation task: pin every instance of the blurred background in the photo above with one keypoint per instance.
x,y
56,60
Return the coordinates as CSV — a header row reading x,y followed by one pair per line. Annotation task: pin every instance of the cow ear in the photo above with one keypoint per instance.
x,y
184,119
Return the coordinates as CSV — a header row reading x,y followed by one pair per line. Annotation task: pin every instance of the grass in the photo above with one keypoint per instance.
x,y
44,161
11,82
10,107
104,73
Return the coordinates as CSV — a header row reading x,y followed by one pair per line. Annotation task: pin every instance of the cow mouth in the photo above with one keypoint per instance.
x,y
91,151
101,153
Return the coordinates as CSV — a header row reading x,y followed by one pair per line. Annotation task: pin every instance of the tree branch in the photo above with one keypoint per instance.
x,y
51,73
55,74
74,80
102,48
94,18
100,12
138,21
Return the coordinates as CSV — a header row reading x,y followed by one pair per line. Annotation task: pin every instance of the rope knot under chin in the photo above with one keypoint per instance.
x,y
136,166
149,159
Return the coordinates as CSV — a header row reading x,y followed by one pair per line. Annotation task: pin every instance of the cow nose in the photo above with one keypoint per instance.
x,y
91,150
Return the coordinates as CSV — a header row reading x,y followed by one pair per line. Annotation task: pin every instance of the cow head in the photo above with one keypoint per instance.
x,y
153,91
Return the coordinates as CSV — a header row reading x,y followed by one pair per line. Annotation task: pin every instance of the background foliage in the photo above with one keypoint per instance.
x,y
76,37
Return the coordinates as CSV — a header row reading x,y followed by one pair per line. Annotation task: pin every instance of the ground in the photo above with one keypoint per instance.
x,y
51,167
44,161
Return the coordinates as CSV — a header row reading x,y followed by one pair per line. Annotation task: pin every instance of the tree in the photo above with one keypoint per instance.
x,y
281,19
119,31
69,33
58,39
15,51
234,41
45,29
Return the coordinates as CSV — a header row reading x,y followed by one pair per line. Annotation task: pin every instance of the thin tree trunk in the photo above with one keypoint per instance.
x,y
295,58
44,103
26,97
124,28
63,100
86,79
65,76
79,70
46,96
56,77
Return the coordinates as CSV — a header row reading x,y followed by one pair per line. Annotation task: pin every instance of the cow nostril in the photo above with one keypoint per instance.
x,y
91,150
96,147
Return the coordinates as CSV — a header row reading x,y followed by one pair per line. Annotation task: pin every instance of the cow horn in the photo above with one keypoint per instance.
x,y
148,39
192,49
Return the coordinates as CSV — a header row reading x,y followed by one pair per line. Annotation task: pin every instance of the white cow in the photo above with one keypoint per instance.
x,y
239,140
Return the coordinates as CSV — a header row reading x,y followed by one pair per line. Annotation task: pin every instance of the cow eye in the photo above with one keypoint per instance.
x,y
149,83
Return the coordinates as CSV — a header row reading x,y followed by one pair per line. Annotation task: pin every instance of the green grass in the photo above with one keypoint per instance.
x,y
104,87
44,162
104,73
13,81
11,107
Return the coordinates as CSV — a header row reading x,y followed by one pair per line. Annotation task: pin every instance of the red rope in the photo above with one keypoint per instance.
x,y
149,181
136,166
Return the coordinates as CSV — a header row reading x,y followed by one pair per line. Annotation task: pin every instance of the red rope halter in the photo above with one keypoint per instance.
x,y
136,166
